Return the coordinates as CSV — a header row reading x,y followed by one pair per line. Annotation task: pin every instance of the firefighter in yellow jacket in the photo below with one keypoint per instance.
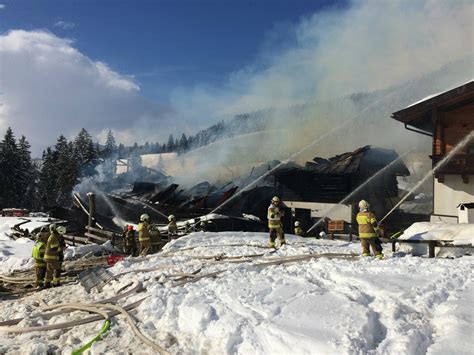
x,y
38,254
144,234
274,222
368,230
298,230
52,256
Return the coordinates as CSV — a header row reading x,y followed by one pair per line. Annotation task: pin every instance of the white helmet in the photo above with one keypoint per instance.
x,y
275,199
363,204
322,234
144,217
61,230
171,217
52,227
297,223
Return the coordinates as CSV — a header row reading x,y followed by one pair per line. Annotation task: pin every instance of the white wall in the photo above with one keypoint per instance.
x,y
331,210
449,194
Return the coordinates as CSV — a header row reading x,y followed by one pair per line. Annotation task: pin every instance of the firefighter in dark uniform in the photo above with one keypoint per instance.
x,y
129,242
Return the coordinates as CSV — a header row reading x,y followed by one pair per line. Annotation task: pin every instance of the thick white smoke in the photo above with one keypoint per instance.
x,y
390,53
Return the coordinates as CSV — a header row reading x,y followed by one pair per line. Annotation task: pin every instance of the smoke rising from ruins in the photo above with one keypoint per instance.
x,y
359,64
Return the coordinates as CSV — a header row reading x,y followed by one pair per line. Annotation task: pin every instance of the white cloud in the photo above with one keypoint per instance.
x,y
2,6
48,88
64,25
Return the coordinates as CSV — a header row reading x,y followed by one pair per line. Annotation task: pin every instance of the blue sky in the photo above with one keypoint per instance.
x,y
166,44
145,69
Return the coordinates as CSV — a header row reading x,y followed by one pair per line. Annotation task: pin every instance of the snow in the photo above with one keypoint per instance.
x,y
460,234
399,305
438,93
16,254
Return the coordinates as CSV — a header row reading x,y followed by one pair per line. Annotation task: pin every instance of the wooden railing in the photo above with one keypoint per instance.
x,y
458,164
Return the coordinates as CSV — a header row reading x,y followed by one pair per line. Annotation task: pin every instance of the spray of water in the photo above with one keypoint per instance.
x,y
360,187
308,147
454,151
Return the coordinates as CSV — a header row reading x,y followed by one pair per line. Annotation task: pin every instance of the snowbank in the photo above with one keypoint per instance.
x,y
400,305
459,234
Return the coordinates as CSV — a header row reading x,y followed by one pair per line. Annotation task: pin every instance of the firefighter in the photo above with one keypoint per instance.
x,y
298,230
155,237
144,234
188,228
129,244
368,230
172,227
38,254
202,226
274,222
52,256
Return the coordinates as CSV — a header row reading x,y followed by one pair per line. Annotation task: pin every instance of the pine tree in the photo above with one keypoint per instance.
x,y
10,171
47,178
110,145
27,183
170,145
67,171
85,153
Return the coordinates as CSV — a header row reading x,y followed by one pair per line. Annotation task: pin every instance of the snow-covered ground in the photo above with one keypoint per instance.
x,y
16,254
400,305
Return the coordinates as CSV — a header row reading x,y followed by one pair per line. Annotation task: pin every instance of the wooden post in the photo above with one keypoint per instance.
x,y
431,249
393,247
91,220
350,236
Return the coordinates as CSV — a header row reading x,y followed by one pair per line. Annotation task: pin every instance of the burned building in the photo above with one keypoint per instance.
x,y
447,117
332,187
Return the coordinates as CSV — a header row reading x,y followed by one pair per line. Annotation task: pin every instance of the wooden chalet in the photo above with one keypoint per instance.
x,y
448,117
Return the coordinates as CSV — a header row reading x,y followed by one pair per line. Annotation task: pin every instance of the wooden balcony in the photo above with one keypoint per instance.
x,y
460,164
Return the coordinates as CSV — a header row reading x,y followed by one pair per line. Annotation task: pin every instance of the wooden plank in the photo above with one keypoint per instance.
x,y
100,231
96,238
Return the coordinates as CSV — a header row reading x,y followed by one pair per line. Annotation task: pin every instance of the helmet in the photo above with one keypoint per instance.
x,y
363,204
61,230
203,223
322,234
130,227
144,217
275,199
297,223
171,217
52,227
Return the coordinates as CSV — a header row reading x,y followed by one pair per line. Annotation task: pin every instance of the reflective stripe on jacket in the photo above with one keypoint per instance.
x,y
38,253
52,247
143,231
367,224
274,217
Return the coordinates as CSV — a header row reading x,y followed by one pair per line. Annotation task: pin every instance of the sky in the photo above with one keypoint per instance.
x,y
145,69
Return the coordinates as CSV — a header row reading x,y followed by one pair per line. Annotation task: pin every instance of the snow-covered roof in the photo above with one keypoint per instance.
x,y
438,94
460,234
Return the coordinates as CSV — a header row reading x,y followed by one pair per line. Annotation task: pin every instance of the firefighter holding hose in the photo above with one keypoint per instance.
x,y
274,215
144,234
53,256
368,231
